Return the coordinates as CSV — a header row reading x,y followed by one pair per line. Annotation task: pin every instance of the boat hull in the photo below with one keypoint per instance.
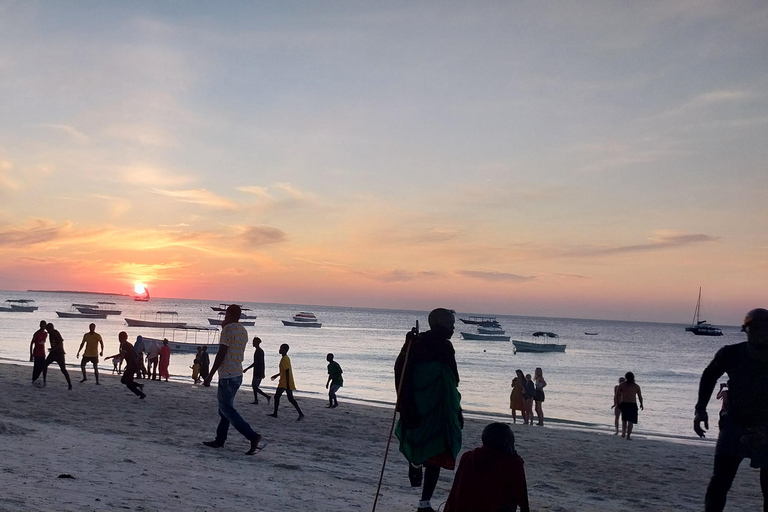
x,y
484,337
91,311
288,323
527,346
706,331
219,321
24,309
132,322
97,316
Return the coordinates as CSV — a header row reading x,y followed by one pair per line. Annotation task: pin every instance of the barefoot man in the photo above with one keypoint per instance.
x,y
229,364
629,394
92,341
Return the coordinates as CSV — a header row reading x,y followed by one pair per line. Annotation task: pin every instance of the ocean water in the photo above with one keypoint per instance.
x,y
666,360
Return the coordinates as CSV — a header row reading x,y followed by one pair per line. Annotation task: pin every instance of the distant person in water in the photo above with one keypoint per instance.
x,y
335,380
744,429
259,371
229,365
153,358
491,477
629,395
140,348
165,360
56,354
94,347
538,397
431,421
37,351
128,353
516,401
205,363
286,383
617,405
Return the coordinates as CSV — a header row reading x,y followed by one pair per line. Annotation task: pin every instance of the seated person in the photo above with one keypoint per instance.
x,y
490,478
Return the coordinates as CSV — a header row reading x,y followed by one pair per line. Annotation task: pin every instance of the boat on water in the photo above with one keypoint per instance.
x,y
701,327
591,333
486,321
21,305
142,298
484,337
223,307
189,343
164,319
490,330
534,346
303,319
220,320
75,313
98,310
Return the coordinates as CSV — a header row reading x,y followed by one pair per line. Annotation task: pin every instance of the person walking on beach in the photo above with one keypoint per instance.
x,y
37,352
538,397
617,405
205,363
259,371
94,347
516,401
285,384
430,424
165,360
56,354
334,379
744,429
629,395
229,364
196,365
491,477
131,360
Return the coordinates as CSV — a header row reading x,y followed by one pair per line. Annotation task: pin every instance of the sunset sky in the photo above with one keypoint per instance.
x,y
579,159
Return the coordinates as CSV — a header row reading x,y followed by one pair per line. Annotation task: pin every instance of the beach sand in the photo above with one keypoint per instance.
x,y
145,455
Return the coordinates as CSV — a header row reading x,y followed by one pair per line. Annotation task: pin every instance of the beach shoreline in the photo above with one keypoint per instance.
x,y
147,455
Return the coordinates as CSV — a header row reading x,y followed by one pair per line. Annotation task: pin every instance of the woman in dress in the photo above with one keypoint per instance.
x,y
538,398
516,401
165,358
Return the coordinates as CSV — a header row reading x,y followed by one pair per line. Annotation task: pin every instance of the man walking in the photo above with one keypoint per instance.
x,y
92,341
285,384
229,364
744,424
259,371
56,354
37,352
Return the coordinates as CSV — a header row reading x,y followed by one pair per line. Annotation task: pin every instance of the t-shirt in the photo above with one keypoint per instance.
x,y
258,364
91,340
235,337
285,364
334,372
39,341
154,349
57,342
139,345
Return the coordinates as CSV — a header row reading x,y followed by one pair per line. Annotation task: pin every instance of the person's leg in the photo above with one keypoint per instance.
x,y
539,412
278,393
135,388
38,368
82,368
616,420
228,412
431,474
630,426
514,416
335,389
96,370
62,365
293,401
722,478
255,388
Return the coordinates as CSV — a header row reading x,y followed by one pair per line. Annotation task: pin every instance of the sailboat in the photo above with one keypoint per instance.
x,y
701,327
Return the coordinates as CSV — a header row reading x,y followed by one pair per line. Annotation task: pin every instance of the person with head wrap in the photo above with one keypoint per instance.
x,y
744,429
430,422
490,478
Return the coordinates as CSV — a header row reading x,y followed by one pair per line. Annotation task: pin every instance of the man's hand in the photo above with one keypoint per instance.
x,y
326,385
641,408
246,370
207,382
697,419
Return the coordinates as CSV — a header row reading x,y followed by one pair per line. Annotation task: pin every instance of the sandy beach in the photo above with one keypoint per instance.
x,y
128,454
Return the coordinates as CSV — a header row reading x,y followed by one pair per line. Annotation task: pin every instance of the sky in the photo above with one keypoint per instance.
x,y
565,159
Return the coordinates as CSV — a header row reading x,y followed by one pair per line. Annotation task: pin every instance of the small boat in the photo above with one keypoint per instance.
x,y
94,316
21,305
98,311
165,319
701,327
143,298
486,321
220,320
591,333
303,319
223,307
189,344
484,337
490,330
527,346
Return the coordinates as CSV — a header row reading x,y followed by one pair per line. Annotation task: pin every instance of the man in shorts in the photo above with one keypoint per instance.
x,y
744,429
629,393
94,347
56,354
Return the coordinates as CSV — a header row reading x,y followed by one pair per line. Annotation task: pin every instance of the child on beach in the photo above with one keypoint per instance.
x,y
196,366
334,379
516,401
617,405
285,384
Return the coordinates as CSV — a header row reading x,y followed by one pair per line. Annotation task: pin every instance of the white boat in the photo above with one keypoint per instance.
x,y
484,337
189,343
486,321
21,305
303,319
528,346
75,313
701,327
164,319
98,311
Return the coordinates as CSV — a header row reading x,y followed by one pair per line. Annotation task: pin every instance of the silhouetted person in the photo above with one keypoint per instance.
x,y
629,394
139,347
37,351
153,358
56,354
205,362
617,405
92,341
131,360
165,360
335,380
430,422
285,384
229,364
492,477
744,427
259,371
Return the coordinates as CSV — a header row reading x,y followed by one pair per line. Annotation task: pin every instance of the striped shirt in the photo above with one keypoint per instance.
x,y
235,337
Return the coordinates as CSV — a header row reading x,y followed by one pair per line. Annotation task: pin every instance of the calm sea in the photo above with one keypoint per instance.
x,y
666,360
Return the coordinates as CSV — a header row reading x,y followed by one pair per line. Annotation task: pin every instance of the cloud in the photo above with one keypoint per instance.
x,y
38,232
256,236
7,181
661,240
279,196
76,134
495,276
144,175
397,275
117,205
199,196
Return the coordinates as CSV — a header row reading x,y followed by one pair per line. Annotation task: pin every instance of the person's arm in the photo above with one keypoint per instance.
x,y
520,487
543,383
101,344
31,347
81,347
328,381
249,367
707,384
640,397
216,363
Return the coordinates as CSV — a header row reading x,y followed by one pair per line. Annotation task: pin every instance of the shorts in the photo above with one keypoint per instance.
x,y
744,443
89,359
629,412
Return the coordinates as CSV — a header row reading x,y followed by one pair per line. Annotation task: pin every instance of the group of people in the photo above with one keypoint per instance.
x,y
527,391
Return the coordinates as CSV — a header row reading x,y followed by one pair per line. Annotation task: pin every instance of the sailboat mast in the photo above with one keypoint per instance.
x,y
698,307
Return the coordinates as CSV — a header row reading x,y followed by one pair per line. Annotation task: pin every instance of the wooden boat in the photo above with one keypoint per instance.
x,y
143,298
701,327
94,316
21,305
99,311
527,346
189,343
484,337
487,321
591,333
159,321
490,330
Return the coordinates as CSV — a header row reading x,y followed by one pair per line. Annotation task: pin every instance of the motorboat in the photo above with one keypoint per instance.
x,y
22,305
484,337
701,327
528,346
223,307
486,321
98,310
220,320
490,330
74,312
189,343
164,319
303,319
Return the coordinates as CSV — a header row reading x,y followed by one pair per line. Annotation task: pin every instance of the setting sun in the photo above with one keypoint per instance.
x,y
139,288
